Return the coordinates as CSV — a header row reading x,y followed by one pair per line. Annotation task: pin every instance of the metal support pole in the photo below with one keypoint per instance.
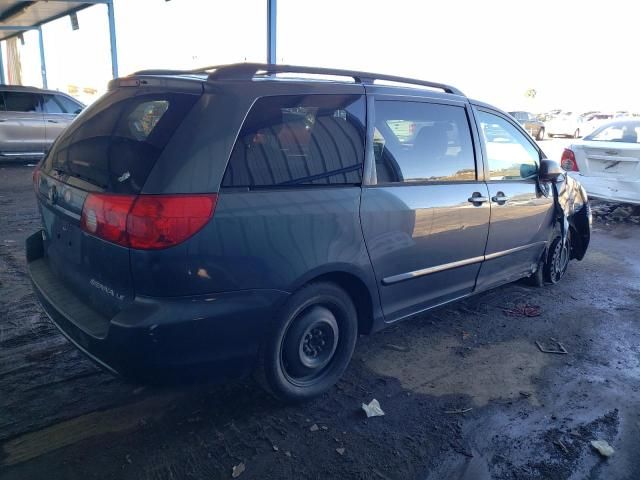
x,y
272,7
2,81
112,38
43,64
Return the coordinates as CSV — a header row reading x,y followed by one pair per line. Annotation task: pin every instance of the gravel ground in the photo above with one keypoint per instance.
x,y
467,392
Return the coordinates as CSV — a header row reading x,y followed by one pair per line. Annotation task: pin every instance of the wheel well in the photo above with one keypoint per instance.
x,y
358,292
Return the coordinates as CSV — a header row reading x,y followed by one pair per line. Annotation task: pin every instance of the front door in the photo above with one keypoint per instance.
x,y
521,210
21,125
425,213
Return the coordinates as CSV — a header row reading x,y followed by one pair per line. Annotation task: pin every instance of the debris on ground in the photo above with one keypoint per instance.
x,y
275,448
461,410
562,446
238,470
611,212
314,428
127,458
465,335
603,447
397,348
340,451
523,310
560,350
373,409
525,394
287,453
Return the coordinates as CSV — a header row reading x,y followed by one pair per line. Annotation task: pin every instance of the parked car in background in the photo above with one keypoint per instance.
x,y
228,220
530,123
607,162
31,119
567,124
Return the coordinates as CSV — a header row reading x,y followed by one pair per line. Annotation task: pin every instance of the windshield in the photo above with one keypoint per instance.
x,y
624,132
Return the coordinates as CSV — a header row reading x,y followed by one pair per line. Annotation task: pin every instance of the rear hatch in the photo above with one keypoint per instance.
x,y
609,159
107,152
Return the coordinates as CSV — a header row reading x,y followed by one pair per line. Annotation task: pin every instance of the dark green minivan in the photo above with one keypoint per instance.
x,y
259,218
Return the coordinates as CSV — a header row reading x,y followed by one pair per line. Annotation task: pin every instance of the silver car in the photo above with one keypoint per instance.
x,y
31,119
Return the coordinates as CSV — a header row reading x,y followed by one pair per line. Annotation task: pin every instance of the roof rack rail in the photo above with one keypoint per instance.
x,y
246,71
160,71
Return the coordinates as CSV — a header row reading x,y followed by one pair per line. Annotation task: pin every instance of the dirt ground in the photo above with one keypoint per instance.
x,y
467,392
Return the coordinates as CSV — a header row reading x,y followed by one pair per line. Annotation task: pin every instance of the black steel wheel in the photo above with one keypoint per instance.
x,y
557,260
311,344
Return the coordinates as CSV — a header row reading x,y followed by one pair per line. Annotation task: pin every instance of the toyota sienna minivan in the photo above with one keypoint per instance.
x,y
259,218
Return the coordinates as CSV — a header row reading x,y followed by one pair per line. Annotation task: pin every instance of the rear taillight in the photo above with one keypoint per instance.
x,y
568,161
160,221
146,222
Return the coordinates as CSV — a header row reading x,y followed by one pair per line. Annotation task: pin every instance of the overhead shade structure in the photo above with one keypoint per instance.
x,y
19,16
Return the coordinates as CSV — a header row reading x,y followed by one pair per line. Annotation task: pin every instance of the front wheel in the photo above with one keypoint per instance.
x,y
557,260
311,345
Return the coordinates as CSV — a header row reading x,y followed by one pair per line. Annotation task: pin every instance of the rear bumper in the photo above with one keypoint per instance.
x,y
611,189
216,335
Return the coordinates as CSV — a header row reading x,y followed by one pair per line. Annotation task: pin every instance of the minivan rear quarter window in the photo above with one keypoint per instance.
x,y
118,142
296,140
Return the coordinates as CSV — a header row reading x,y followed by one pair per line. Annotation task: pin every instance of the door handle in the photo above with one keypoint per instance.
x,y
52,121
500,198
477,199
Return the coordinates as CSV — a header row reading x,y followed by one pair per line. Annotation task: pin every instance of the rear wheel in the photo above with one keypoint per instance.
x,y
557,260
311,345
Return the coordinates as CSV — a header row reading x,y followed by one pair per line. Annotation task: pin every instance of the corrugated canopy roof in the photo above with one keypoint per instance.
x,y
30,14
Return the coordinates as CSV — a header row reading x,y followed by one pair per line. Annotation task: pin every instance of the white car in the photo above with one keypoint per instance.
x,y
607,162
566,124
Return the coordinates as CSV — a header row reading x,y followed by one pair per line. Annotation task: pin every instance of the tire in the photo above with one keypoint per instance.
x,y
311,343
576,134
540,134
557,260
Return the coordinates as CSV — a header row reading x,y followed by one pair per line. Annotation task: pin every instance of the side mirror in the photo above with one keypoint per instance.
x,y
550,171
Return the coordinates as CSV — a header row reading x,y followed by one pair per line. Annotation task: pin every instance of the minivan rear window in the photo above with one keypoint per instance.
x,y
295,140
116,142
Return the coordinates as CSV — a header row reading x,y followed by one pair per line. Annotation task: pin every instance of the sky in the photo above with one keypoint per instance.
x,y
577,55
